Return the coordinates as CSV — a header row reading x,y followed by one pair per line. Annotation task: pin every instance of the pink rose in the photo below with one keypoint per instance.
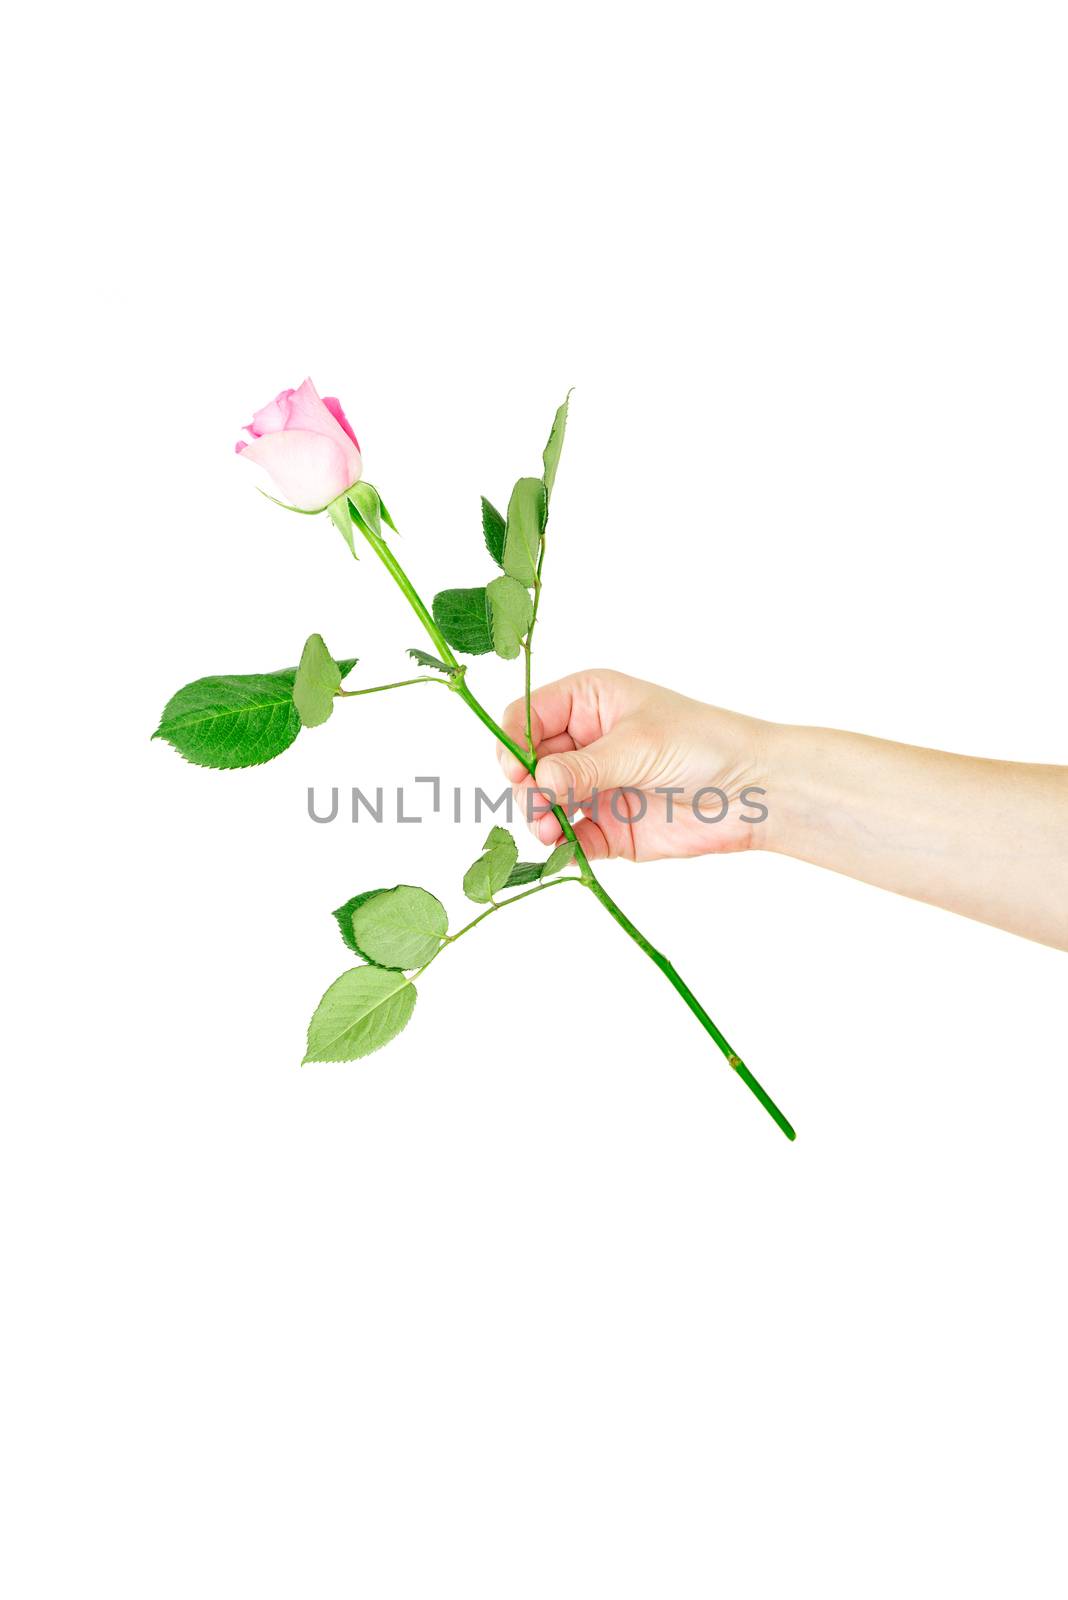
x,y
307,446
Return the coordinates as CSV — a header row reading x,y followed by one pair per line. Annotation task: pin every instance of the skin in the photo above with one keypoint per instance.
x,y
987,839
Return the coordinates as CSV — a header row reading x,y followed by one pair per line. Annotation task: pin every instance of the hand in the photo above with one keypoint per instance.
x,y
988,839
602,731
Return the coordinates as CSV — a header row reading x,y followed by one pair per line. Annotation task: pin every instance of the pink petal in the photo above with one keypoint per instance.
x,y
242,444
309,468
272,417
306,410
334,408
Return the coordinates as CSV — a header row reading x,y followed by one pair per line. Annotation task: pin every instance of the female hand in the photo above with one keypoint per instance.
x,y
672,777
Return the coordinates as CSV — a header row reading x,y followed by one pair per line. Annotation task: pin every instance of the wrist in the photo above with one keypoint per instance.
x,y
740,756
787,766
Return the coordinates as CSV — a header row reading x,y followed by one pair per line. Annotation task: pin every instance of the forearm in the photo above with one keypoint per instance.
x,y
988,839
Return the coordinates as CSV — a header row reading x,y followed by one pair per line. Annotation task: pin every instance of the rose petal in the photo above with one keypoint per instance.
x,y
334,408
306,410
272,417
309,469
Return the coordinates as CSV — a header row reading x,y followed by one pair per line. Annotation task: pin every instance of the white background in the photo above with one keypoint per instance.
x,y
536,1301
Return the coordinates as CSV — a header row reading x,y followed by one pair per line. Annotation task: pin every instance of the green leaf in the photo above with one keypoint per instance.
x,y
344,917
386,518
341,516
511,610
560,858
364,1009
423,659
490,872
551,454
463,615
493,531
523,872
317,681
401,928
526,523
367,507
234,721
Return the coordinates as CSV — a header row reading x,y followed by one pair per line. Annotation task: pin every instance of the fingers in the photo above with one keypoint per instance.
x,y
573,705
591,837
514,723
578,755
549,747
607,763
551,708
514,770
598,838
532,807
548,719
605,830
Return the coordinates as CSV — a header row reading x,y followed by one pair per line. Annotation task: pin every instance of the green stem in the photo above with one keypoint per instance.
x,y
530,762
378,688
497,905
529,640
407,589
660,960
526,689
527,759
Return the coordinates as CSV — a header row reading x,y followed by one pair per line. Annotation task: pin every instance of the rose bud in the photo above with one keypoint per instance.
x,y
307,445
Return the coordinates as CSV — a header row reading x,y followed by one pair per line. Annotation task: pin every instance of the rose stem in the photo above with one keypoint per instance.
x,y
588,877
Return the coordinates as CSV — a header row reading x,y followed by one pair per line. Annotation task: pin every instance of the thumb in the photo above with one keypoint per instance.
x,y
603,764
